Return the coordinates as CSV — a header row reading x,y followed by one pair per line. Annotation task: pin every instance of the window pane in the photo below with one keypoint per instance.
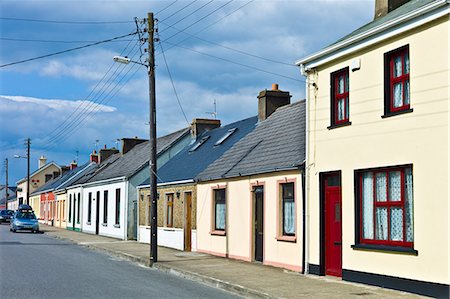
x,y
346,82
341,84
346,108
409,205
396,224
398,95
288,191
220,216
288,217
169,215
395,190
407,63
406,92
382,226
367,205
381,186
341,111
398,66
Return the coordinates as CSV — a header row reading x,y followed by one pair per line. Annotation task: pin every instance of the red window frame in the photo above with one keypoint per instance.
x,y
336,96
388,204
403,78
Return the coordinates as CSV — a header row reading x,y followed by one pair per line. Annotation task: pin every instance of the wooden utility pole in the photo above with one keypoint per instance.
x,y
28,142
6,184
152,162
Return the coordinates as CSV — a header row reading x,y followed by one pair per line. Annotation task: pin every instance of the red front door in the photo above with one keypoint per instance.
x,y
333,226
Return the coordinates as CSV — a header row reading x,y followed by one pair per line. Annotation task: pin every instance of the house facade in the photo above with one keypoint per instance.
x,y
250,200
378,152
11,192
177,202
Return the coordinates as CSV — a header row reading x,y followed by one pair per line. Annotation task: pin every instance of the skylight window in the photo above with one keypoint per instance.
x,y
225,137
198,144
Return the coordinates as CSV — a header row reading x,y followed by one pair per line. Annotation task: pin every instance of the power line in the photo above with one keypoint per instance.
x,y
58,41
188,15
181,9
62,125
232,49
66,22
163,9
67,50
173,85
237,63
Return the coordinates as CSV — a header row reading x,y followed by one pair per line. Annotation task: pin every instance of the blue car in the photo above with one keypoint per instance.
x,y
24,219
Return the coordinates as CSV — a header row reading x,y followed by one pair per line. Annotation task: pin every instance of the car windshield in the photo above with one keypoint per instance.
x,y
25,215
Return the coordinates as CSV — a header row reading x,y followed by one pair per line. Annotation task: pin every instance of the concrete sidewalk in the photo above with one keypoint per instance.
x,y
243,278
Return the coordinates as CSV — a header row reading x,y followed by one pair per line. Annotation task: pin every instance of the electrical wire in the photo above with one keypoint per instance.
x,y
173,85
67,50
62,126
237,63
195,11
181,9
163,9
57,41
66,22
232,49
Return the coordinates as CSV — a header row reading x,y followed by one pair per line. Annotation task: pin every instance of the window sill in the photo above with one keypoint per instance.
x,y
292,239
389,114
104,224
88,223
169,229
385,248
116,225
339,125
218,233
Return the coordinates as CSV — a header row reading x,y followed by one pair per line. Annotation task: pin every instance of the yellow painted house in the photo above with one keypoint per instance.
x,y
378,151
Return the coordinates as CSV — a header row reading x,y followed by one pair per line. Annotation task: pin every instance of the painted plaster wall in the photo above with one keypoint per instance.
x,y
35,203
133,182
109,229
419,138
60,220
72,194
40,176
239,240
169,237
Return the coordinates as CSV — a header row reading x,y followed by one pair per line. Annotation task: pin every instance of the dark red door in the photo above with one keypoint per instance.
x,y
333,226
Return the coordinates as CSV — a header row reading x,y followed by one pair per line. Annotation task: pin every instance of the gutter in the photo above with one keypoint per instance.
x,y
107,181
371,32
168,183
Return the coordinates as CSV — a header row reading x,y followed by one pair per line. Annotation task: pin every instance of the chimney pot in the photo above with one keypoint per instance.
x,y
271,100
42,161
93,157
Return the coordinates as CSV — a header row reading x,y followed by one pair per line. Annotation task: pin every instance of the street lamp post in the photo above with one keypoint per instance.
x,y
152,132
28,168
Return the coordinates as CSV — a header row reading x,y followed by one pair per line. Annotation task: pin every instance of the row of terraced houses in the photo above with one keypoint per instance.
x,y
352,181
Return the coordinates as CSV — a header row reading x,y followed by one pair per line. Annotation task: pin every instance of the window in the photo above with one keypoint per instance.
x,y
89,207
198,144
105,206
219,209
78,208
70,207
288,209
117,206
340,105
225,137
386,205
396,68
169,216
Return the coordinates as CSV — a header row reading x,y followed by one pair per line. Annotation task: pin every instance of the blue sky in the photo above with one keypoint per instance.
x,y
64,103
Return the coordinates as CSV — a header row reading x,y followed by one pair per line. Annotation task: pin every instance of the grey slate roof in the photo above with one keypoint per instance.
x,y
187,163
38,170
62,180
137,158
92,171
404,9
277,143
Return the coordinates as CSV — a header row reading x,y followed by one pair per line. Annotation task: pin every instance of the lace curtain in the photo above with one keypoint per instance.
x,y
289,217
220,216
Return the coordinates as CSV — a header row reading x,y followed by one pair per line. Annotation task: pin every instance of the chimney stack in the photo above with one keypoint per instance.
x,y
200,125
271,100
73,165
105,153
42,161
129,143
383,7
93,157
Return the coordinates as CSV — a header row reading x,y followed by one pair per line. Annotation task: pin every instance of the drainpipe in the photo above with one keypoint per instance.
x,y
303,219
306,178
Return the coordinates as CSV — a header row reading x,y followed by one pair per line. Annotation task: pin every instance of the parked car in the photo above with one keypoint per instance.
x,y
6,215
24,219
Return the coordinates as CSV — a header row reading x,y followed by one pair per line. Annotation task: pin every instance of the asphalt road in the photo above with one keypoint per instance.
x,y
39,266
